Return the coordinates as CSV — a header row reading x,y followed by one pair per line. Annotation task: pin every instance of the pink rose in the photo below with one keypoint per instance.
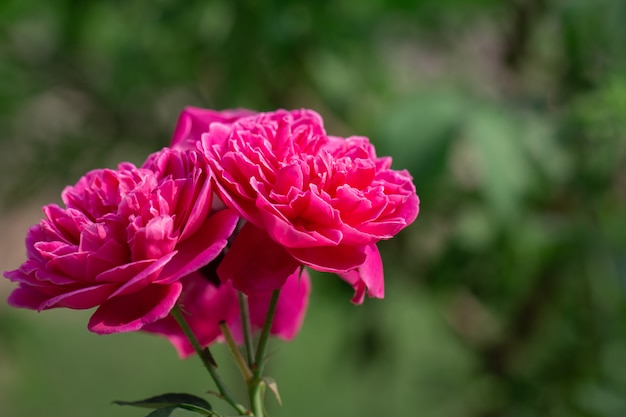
x,y
206,302
309,198
123,242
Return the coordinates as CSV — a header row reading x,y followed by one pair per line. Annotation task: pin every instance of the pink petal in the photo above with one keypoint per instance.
x,y
34,274
153,240
131,312
72,265
26,296
81,299
194,121
255,263
198,205
68,222
183,130
50,250
283,140
287,177
368,277
145,277
291,307
202,247
330,259
41,275
125,272
285,232
107,256
236,193
410,209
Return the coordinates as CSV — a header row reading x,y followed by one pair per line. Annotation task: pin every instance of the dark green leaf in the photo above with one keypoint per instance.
x,y
179,400
173,412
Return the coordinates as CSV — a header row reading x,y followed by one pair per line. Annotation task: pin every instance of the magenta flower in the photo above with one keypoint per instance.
x,y
206,302
123,242
309,198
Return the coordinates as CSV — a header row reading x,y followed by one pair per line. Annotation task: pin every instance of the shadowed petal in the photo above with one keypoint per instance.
x,y
255,263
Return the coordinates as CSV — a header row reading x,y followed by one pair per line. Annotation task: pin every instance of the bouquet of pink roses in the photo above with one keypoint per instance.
x,y
209,239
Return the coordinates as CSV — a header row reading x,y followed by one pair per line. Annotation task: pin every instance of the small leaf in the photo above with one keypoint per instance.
x,y
176,400
172,412
271,384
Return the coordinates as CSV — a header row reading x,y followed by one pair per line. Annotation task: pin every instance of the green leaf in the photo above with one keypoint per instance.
x,y
176,400
173,412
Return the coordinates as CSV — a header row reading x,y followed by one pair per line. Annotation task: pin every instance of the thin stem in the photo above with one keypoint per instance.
x,y
241,362
204,354
256,385
256,398
265,334
245,324
207,359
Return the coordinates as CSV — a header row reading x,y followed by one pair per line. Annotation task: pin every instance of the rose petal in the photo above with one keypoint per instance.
x,y
330,259
255,263
125,272
42,275
131,312
73,265
199,206
202,247
81,299
154,240
368,277
194,121
144,277
288,234
26,296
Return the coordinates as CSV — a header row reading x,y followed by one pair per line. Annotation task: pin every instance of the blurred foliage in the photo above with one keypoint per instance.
x,y
506,298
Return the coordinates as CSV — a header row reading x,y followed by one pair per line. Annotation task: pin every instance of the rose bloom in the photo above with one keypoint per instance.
x,y
308,198
124,241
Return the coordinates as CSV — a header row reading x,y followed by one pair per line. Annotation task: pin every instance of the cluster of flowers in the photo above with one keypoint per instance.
x,y
240,201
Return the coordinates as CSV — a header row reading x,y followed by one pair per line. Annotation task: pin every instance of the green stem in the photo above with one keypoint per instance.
x,y
256,385
256,398
259,360
208,360
245,324
234,350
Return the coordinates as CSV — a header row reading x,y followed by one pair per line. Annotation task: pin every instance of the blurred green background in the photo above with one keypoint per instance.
x,y
505,298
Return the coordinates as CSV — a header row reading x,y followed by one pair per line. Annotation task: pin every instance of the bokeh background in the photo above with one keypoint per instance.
x,y
505,298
